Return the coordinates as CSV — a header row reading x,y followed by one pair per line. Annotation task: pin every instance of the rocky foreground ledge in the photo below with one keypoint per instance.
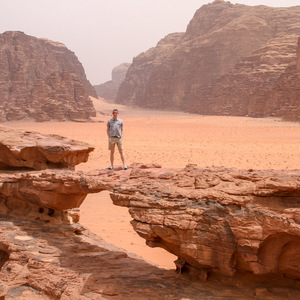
x,y
219,222
32,150
236,232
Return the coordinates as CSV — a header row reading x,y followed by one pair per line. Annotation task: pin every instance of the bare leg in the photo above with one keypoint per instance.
x,y
122,157
112,157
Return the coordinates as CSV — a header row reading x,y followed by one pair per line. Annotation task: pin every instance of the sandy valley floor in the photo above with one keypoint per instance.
x,y
172,139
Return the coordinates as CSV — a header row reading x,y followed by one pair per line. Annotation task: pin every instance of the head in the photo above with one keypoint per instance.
x,y
115,113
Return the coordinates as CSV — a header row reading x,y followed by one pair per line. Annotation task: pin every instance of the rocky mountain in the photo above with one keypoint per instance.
x,y
41,80
109,89
232,60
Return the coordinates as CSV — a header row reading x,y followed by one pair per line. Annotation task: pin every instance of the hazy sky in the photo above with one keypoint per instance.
x,y
105,33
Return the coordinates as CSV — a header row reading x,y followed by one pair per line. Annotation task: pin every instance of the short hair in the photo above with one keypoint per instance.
x,y
115,110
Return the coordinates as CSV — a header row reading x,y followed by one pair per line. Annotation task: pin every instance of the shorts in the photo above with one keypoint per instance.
x,y
112,141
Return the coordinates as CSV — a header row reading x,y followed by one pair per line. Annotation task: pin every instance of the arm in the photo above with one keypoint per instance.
x,y
121,128
107,130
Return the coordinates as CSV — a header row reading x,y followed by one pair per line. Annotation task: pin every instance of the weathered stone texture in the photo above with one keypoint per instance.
x,y
46,254
221,220
239,230
226,63
251,87
66,261
41,80
32,150
217,221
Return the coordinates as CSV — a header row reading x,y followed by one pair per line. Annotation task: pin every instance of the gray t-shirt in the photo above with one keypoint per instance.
x,y
115,127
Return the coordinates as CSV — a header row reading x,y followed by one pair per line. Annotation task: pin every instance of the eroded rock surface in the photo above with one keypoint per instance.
x,y
69,262
223,220
46,254
25,149
42,80
236,233
226,221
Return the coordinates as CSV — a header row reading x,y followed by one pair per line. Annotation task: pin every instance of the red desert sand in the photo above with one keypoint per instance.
x,y
172,139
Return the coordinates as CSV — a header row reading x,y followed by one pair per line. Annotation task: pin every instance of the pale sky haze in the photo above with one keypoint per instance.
x,y
105,33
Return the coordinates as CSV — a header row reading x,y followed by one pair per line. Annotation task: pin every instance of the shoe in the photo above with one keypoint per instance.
x,y
125,167
111,168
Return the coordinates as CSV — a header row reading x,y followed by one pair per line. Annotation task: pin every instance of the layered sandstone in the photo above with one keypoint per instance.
x,y
66,261
32,150
42,80
285,95
217,221
238,230
46,254
222,220
228,61
252,86
109,89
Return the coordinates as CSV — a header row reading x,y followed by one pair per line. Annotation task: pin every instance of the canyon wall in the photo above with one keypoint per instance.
x,y
41,80
228,62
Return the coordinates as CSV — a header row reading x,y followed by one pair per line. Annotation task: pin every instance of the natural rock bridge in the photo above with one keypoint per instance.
x,y
217,221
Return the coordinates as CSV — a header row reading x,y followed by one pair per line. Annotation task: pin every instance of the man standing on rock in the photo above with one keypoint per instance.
x,y
115,133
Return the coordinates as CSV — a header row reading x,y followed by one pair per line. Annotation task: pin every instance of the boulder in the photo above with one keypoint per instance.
x,y
32,150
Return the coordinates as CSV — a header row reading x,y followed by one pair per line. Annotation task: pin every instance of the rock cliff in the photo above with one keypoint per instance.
x,y
238,230
228,61
284,99
41,80
109,89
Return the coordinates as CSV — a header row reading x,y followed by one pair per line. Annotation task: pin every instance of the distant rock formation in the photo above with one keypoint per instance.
x,y
228,62
109,89
284,98
253,87
225,225
41,80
